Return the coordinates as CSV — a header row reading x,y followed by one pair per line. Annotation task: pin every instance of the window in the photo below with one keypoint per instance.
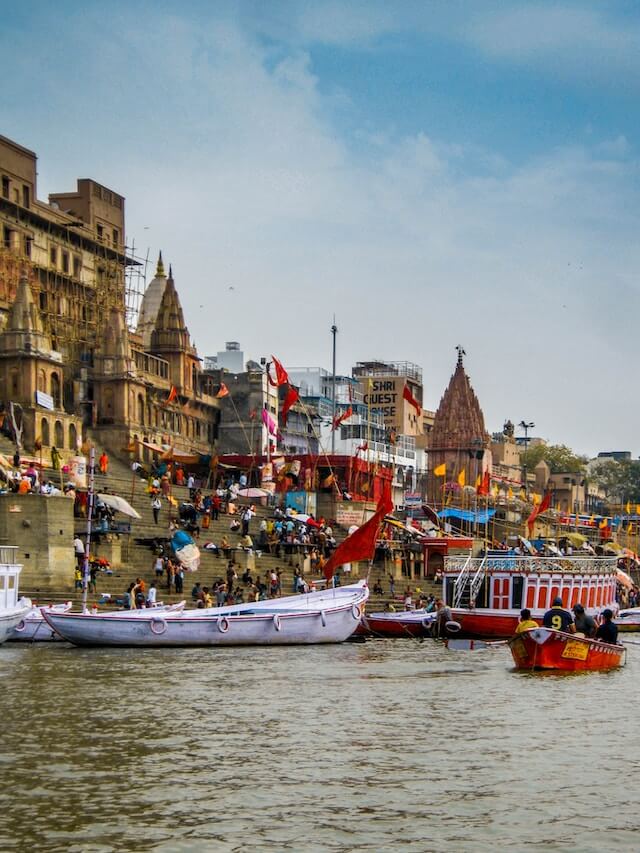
x,y
65,262
77,266
100,232
28,242
116,237
26,195
7,237
5,186
53,256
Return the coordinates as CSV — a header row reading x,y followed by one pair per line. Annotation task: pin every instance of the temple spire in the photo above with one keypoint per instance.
x,y
170,273
160,267
461,352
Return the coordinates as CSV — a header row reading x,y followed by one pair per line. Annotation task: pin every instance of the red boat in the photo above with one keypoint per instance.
x,y
544,648
486,594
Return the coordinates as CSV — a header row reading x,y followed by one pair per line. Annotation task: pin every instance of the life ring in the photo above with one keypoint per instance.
x,y
427,623
453,627
20,626
356,612
276,622
223,624
158,626
323,618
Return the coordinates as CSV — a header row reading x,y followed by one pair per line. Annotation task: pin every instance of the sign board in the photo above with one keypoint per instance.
x,y
44,400
296,500
78,471
412,499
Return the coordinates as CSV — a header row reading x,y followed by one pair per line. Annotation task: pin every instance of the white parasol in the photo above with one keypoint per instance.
x,y
120,505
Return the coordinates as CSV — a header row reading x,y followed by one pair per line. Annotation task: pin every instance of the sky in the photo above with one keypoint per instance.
x,y
431,173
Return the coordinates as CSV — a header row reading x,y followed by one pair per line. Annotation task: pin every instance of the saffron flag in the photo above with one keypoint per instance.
x,y
340,418
440,471
510,493
637,509
462,478
282,377
408,396
173,394
361,545
628,507
543,506
485,485
269,422
223,391
291,398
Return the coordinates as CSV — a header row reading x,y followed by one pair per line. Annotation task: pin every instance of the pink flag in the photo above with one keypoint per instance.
x,y
269,422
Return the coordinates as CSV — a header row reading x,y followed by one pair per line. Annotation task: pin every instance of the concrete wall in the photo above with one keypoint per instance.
x,y
42,528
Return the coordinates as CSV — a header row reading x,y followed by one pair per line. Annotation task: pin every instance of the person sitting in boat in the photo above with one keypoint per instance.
x,y
443,615
558,618
607,632
585,624
526,623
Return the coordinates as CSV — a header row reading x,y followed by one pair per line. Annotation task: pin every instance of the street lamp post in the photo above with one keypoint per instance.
x,y
526,426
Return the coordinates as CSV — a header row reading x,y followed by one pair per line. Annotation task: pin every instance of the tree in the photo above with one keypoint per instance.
x,y
560,459
620,480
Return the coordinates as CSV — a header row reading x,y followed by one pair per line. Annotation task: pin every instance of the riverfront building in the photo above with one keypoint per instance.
x,y
76,360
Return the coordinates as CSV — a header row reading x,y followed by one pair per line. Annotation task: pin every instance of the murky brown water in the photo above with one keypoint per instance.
x,y
391,745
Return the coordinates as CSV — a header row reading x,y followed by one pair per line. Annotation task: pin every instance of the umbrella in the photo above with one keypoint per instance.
x,y
120,505
612,548
624,579
253,492
576,539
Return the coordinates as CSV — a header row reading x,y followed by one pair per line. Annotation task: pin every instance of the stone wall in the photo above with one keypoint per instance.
x,y
42,528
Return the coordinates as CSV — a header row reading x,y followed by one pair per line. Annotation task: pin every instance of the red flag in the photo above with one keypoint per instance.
x,y
223,391
343,417
173,394
291,398
543,506
485,485
252,414
361,545
408,396
362,447
282,377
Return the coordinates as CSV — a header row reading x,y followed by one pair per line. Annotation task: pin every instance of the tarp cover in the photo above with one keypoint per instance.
x,y
466,515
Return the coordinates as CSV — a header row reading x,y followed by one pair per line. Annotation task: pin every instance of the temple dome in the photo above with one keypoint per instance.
x,y
150,305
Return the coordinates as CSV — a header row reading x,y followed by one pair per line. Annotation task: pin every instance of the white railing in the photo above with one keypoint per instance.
x,y
587,565
476,581
460,582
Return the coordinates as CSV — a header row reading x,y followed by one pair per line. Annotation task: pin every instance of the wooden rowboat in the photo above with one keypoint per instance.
x,y
544,648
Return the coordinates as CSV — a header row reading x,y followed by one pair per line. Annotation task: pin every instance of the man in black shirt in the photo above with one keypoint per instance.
x,y
607,632
558,618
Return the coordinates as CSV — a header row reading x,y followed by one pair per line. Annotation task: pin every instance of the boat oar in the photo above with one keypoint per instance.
x,y
473,645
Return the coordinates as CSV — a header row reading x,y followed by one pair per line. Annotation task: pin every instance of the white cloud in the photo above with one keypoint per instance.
x,y
229,154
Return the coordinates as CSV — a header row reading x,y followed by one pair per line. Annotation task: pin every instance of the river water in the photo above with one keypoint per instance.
x,y
386,745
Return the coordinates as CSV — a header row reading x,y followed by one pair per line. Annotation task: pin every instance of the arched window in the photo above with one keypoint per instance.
x,y
194,377
44,432
140,409
42,381
55,392
58,434
73,437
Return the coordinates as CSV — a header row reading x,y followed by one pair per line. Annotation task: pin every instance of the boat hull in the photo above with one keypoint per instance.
x,y
487,624
403,624
544,648
10,618
306,620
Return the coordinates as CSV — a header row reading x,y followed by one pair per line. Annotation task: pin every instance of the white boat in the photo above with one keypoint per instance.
x,y
628,620
326,616
34,628
12,609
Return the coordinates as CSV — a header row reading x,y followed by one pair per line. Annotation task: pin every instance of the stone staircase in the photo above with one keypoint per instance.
x,y
138,559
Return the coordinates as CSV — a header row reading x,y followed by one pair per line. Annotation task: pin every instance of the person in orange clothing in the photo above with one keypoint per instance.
x,y
25,486
103,463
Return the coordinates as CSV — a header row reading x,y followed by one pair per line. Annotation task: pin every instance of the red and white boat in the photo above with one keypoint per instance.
x,y
405,623
544,648
486,594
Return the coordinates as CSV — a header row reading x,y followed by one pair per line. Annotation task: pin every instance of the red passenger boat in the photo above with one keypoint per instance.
x,y
487,593
544,648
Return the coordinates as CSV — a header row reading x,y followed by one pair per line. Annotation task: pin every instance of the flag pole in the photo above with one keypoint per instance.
x,y
334,332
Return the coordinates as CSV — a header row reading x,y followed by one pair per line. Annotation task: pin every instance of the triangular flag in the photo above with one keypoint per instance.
x,y
282,377
223,391
628,507
408,396
441,470
462,478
